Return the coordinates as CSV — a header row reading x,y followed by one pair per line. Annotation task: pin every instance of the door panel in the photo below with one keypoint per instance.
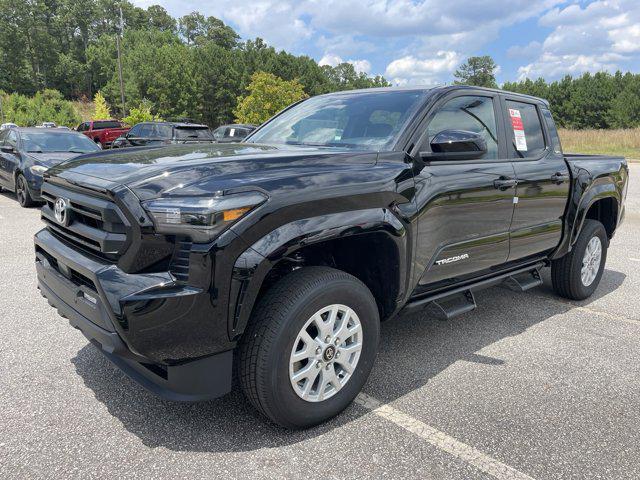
x,y
9,161
537,219
463,223
464,215
543,184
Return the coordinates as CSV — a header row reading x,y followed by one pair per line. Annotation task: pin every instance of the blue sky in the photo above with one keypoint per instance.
x,y
423,42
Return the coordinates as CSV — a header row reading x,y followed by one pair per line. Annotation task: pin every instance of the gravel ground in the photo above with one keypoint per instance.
x,y
527,385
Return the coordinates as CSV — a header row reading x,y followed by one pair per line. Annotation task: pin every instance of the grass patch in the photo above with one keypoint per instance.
x,y
607,142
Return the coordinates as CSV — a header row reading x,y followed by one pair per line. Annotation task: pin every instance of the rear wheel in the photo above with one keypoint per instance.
x,y
22,192
577,274
310,346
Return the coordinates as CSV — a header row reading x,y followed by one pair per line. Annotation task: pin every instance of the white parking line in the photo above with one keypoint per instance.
x,y
634,259
441,440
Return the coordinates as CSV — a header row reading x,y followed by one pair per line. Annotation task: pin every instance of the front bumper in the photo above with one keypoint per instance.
x,y
139,321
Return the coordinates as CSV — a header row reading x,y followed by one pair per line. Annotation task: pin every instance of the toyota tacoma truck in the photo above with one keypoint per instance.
x,y
103,132
273,261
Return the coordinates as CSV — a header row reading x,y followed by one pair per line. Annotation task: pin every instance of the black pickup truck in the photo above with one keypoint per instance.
x,y
277,258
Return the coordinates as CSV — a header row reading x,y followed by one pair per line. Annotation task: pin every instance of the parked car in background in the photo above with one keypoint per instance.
x,y
4,126
233,133
47,125
26,153
103,132
159,133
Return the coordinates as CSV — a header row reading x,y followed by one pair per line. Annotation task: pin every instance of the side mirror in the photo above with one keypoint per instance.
x,y
456,145
7,149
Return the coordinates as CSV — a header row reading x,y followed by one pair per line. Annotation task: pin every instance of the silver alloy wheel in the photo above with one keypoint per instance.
x,y
591,261
325,353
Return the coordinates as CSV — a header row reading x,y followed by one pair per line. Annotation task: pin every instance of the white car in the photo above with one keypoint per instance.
x,y
5,126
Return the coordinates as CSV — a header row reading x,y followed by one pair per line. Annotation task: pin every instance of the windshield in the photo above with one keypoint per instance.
x,y
193,133
46,142
360,120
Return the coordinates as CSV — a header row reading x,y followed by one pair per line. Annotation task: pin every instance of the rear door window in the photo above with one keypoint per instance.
x,y
526,137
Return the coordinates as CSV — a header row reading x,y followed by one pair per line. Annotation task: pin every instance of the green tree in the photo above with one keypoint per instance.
x,y
101,109
141,113
45,106
268,95
160,19
625,108
477,71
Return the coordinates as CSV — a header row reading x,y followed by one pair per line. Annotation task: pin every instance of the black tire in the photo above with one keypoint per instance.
x,y
566,271
264,353
22,192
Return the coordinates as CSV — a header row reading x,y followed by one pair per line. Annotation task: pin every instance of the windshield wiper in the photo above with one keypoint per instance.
x,y
319,144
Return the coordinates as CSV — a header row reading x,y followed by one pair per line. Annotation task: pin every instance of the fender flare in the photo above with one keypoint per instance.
x,y
253,265
589,198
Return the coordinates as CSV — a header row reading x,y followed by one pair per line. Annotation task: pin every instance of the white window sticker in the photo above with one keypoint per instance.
x,y
518,130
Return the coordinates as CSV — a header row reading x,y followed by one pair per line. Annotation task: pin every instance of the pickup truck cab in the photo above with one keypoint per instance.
x,y
103,132
280,256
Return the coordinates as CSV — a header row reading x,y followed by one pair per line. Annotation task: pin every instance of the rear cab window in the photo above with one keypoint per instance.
x,y
106,124
525,130
190,133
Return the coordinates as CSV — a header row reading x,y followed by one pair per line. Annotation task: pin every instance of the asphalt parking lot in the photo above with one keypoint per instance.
x,y
528,385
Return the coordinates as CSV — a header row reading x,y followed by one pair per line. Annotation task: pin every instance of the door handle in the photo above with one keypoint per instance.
x,y
504,183
559,178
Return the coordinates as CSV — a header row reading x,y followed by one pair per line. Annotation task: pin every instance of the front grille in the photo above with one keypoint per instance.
x,y
95,223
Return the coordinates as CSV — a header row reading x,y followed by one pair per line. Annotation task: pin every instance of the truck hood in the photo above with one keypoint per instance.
x,y
202,169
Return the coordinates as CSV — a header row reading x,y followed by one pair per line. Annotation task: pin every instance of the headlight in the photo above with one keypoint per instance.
x,y
201,218
38,169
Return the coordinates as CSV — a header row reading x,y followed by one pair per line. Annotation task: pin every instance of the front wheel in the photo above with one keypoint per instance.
x,y
310,346
22,192
577,275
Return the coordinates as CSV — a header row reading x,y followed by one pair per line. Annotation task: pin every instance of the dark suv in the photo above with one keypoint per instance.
x,y
158,133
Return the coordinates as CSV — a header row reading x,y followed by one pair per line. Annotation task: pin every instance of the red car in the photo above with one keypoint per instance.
x,y
103,131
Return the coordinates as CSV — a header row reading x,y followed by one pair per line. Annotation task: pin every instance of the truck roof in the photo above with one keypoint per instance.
x,y
442,89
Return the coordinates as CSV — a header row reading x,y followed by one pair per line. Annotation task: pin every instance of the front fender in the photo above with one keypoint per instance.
x,y
252,266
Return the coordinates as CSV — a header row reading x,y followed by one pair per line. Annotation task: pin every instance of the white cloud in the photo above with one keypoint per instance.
x,y
410,70
333,60
584,35
603,35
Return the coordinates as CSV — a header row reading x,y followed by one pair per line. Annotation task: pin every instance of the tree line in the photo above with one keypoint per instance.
x,y
193,66
599,100
197,67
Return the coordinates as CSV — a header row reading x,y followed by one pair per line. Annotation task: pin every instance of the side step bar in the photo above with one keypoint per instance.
x,y
523,282
449,304
449,307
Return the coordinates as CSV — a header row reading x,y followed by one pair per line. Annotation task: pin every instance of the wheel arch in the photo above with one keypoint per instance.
x,y
370,244
600,203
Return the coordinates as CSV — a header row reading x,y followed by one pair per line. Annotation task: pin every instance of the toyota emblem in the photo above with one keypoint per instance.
x,y
60,211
